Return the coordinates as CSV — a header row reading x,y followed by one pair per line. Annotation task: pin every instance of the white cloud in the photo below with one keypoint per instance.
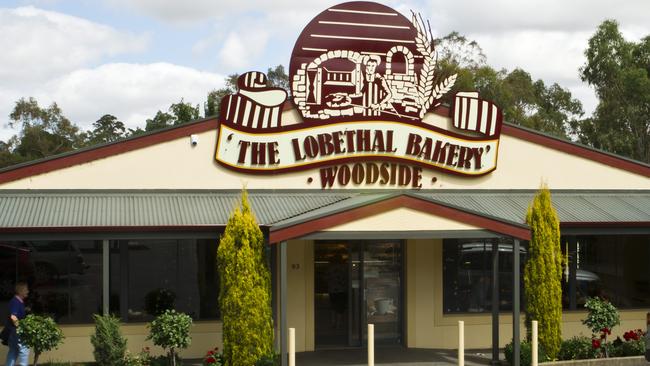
x,y
46,43
239,51
131,92
468,16
196,10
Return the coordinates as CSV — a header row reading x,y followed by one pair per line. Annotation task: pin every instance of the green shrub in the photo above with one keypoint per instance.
x,y
40,334
269,360
171,331
602,316
627,348
543,272
109,344
245,293
525,358
577,348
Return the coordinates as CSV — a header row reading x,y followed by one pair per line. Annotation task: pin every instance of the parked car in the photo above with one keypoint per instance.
x,y
53,259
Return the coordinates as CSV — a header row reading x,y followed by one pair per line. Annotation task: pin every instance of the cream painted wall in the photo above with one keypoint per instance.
x,y
402,219
177,165
76,346
300,292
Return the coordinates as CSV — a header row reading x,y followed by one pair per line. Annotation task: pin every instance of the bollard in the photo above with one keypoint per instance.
x,y
371,345
292,346
461,343
534,344
647,337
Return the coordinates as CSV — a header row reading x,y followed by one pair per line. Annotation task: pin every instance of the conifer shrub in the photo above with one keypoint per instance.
x,y
245,290
108,343
543,273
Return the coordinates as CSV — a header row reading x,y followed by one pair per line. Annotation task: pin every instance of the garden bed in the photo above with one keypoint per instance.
x,y
613,361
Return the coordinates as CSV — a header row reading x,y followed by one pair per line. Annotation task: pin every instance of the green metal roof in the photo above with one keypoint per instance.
x,y
45,209
571,206
159,208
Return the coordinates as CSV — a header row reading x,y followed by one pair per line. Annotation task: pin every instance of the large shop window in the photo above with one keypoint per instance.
x,y
65,277
608,266
148,276
467,274
613,267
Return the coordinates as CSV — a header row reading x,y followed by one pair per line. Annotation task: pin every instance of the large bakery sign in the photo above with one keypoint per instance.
x,y
362,78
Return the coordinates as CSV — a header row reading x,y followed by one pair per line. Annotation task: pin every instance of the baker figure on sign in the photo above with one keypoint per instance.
x,y
374,92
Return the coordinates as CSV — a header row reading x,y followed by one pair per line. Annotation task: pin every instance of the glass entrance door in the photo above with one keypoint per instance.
x,y
356,283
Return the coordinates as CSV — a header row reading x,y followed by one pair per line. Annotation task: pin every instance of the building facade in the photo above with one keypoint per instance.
x,y
381,203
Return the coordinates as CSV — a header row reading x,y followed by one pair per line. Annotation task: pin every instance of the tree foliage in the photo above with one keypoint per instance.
x,y
524,101
245,293
43,131
178,113
543,273
619,71
39,333
106,129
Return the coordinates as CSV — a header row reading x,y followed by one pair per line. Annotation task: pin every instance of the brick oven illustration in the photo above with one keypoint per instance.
x,y
346,83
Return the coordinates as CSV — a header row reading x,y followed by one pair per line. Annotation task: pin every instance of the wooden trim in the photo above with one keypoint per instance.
x,y
103,151
581,151
322,223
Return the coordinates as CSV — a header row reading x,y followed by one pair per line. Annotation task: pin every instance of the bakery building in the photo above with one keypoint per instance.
x,y
380,202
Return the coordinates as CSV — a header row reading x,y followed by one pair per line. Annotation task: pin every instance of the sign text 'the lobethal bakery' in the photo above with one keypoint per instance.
x,y
363,79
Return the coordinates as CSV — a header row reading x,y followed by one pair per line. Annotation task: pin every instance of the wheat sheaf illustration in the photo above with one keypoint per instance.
x,y
427,92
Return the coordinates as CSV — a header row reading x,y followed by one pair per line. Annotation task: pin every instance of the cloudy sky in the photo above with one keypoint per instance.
x,y
131,58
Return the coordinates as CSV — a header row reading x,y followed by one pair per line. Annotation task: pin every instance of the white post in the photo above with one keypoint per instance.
x,y
461,343
371,345
292,346
534,344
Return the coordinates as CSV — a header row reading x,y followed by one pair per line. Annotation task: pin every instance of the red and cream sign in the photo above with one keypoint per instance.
x,y
362,77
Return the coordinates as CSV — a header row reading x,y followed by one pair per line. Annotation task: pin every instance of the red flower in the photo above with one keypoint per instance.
x,y
210,353
595,343
606,330
210,360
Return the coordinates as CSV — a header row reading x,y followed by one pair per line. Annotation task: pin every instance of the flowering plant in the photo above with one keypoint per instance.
x,y
634,344
213,358
602,316
633,335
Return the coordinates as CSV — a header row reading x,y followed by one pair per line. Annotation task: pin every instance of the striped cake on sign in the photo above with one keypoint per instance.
x,y
470,113
256,105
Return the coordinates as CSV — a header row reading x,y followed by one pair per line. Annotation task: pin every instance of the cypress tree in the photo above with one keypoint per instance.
x,y
245,291
543,273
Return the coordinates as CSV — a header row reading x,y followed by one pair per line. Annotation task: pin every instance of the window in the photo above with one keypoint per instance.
x,y
608,266
467,274
147,276
65,277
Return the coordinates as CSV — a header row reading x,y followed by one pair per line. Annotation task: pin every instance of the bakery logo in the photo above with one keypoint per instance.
x,y
363,78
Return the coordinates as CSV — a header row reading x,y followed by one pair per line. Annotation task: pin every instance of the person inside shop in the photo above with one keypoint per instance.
x,y
18,354
337,287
